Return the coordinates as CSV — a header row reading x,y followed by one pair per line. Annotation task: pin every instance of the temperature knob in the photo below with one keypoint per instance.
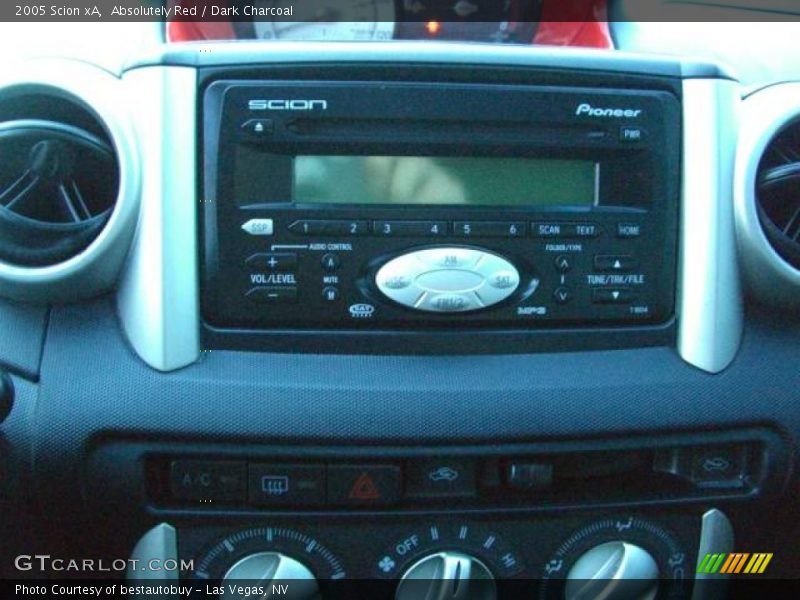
x,y
447,576
270,571
614,570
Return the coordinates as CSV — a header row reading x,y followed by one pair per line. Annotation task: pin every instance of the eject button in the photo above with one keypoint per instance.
x,y
448,279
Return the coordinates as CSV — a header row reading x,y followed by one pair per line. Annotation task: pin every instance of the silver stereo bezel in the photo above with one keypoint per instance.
x,y
159,295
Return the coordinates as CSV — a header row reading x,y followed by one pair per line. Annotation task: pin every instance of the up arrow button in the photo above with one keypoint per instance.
x,y
610,262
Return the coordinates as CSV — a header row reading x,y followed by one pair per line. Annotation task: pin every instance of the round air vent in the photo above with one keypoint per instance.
x,y
58,184
778,193
68,181
767,194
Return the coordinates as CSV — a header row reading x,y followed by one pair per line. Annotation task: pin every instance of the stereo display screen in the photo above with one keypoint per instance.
x,y
448,180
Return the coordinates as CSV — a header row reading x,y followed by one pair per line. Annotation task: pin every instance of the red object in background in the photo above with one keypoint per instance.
x,y
574,23
193,31
433,27
563,23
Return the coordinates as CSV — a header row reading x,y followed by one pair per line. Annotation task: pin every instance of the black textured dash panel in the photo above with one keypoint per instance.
x,y
22,330
92,384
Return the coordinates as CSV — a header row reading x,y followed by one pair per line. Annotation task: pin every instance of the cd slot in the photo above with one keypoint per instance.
x,y
498,132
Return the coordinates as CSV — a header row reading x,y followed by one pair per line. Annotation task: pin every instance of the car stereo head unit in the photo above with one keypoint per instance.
x,y
401,204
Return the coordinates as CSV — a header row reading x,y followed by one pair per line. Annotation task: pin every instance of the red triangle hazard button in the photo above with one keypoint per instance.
x,y
363,485
364,488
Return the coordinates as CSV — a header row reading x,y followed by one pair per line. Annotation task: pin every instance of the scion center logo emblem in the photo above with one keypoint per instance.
x,y
299,104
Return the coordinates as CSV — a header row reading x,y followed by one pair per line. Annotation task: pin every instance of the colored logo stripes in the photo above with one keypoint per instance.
x,y
736,562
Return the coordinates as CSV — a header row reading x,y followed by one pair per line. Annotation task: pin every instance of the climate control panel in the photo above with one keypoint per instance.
x,y
483,557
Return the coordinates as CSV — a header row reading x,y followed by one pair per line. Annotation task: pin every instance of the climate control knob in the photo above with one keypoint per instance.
x,y
447,576
268,569
614,570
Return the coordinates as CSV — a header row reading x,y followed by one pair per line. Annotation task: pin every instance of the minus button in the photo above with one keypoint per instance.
x,y
273,295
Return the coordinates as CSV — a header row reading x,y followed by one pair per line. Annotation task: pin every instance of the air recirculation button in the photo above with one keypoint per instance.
x,y
58,185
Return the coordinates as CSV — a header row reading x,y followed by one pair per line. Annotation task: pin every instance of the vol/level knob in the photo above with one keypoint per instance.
x,y
268,569
613,571
447,576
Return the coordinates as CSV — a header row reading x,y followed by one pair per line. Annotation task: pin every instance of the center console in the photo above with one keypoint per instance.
x,y
499,201
382,219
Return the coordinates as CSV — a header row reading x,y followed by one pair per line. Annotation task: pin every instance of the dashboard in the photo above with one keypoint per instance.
x,y
379,303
